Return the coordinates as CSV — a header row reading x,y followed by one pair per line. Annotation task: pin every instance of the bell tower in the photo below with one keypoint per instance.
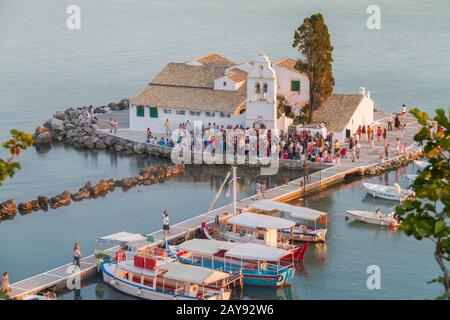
x,y
261,94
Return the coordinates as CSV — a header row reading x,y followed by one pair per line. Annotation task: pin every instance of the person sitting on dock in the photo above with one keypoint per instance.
x,y
77,255
5,283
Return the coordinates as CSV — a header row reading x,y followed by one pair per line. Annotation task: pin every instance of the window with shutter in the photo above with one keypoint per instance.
x,y
153,112
295,85
140,111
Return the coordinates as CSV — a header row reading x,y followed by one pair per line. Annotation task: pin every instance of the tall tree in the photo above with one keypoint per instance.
x,y
427,214
312,40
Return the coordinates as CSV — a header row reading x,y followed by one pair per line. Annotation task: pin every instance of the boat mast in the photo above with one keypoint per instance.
x,y
234,169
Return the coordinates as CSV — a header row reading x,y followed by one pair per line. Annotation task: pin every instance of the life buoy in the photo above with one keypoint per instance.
x,y
323,219
113,282
280,278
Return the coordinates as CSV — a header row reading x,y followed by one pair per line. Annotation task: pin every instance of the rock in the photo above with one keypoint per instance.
x,y
119,147
100,189
69,126
100,145
8,209
56,125
82,195
43,137
127,183
60,115
65,198
25,207
43,202
113,106
87,185
123,104
139,148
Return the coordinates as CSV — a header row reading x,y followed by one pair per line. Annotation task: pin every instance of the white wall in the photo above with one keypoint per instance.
x,y
284,78
157,124
362,116
229,85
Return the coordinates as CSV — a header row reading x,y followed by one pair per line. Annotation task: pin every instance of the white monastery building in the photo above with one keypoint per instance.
x,y
213,89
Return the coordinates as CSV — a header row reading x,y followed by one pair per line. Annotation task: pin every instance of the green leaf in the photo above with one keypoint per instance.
x,y
439,227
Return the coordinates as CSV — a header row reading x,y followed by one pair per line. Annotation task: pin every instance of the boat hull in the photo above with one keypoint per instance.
x,y
139,291
388,193
369,217
250,276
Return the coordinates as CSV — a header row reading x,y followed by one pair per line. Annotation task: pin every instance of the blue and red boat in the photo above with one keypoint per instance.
x,y
260,265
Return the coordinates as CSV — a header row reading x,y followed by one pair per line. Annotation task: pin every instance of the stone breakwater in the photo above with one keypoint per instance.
x,y
72,127
150,175
392,164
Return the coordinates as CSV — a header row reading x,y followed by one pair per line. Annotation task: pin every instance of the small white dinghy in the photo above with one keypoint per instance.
x,y
382,219
395,192
420,164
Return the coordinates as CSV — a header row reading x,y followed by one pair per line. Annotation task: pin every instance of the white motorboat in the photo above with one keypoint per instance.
x,y
152,279
382,219
395,192
421,164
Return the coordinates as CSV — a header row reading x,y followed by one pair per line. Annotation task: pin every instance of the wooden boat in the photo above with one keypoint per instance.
x,y
261,229
163,279
381,219
107,246
258,264
311,225
395,193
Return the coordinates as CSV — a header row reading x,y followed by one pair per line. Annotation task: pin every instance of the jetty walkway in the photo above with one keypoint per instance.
x,y
283,193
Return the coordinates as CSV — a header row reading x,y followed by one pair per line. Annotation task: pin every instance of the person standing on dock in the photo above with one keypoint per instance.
x,y
404,111
167,127
357,149
166,223
386,151
379,133
390,124
77,255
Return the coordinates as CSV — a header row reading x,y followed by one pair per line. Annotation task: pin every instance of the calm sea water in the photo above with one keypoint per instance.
x,y
122,44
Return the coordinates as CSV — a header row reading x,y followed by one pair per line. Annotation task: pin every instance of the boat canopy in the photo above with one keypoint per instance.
x,y
205,246
255,220
255,251
296,212
120,237
179,272
192,274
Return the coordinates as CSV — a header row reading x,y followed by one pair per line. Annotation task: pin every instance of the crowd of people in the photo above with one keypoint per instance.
x,y
303,145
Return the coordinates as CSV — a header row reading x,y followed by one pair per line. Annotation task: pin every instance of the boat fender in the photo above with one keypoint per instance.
x,y
362,218
382,222
113,282
280,278
346,218
139,292
315,238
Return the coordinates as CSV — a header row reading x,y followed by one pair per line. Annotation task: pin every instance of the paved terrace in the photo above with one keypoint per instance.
x,y
283,193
